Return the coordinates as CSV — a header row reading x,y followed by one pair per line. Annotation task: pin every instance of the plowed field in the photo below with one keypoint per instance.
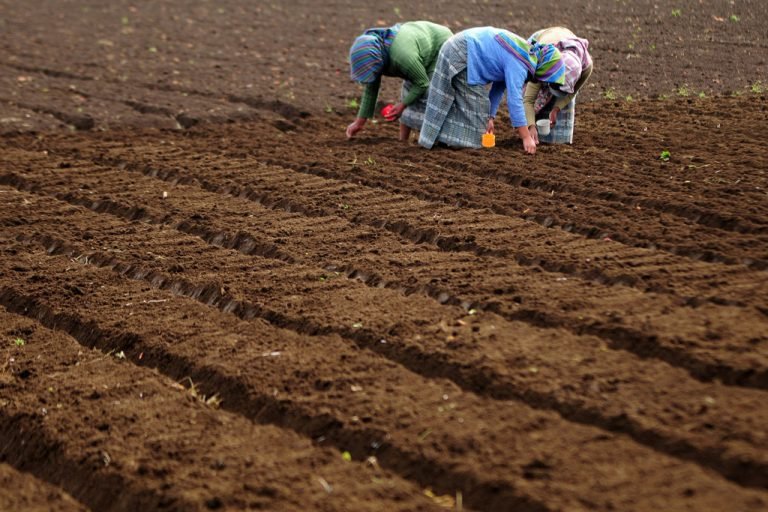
x,y
210,299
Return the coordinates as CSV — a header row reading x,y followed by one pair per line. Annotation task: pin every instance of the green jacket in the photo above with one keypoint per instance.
x,y
412,56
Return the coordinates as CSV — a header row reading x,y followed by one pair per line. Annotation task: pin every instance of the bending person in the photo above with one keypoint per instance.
x,y
460,108
558,103
408,51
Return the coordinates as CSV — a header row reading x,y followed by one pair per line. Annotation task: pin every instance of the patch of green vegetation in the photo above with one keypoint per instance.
x,y
665,156
734,18
353,103
683,91
629,98
702,95
757,87
19,342
676,13
610,94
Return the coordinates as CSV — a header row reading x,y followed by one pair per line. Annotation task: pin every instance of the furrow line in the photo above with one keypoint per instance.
x,y
401,228
707,218
24,492
644,343
540,456
484,380
595,232
263,408
623,275
27,447
242,242
100,425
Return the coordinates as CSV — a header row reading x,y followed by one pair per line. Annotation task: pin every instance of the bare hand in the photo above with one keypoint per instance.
x,y
397,111
355,127
534,133
490,128
529,145
553,116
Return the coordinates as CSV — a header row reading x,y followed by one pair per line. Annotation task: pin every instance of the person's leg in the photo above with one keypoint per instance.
x,y
405,132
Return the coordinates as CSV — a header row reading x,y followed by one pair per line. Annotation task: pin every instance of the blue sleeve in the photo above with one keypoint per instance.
x,y
515,76
497,91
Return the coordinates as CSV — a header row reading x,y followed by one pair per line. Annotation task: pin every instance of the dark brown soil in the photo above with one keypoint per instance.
x,y
212,300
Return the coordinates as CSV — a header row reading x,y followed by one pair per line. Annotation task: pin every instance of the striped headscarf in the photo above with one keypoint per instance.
x,y
370,52
543,61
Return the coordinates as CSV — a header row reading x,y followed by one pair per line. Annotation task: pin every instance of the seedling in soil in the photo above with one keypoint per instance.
x,y
328,109
370,161
734,18
757,87
19,342
352,103
344,206
346,456
665,156
676,13
629,98
702,95
683,91
211,401
610,94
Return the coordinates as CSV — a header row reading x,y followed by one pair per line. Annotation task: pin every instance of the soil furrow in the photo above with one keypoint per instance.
x,y
117,444
665,341
479,232
489,376
23,492
422,408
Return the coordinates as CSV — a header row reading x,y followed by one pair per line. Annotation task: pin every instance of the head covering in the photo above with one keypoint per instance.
x,y
370,52
573,70
549,66
542,61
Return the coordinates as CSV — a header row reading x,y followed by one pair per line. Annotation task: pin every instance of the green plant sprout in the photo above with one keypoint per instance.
x,y
19,342
683,91
757,87
676,13
610,94
734,18
352,103
665,156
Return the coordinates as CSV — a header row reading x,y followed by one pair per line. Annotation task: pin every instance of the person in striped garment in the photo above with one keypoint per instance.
x,y
459,106
408,51
558,103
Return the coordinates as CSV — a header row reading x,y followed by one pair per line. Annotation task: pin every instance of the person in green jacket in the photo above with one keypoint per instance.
x,y
408,51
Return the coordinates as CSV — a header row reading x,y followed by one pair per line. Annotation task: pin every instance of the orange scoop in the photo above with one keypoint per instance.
x,y
489,140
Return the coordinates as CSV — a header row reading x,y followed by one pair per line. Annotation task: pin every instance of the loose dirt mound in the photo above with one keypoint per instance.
x,y
260,314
